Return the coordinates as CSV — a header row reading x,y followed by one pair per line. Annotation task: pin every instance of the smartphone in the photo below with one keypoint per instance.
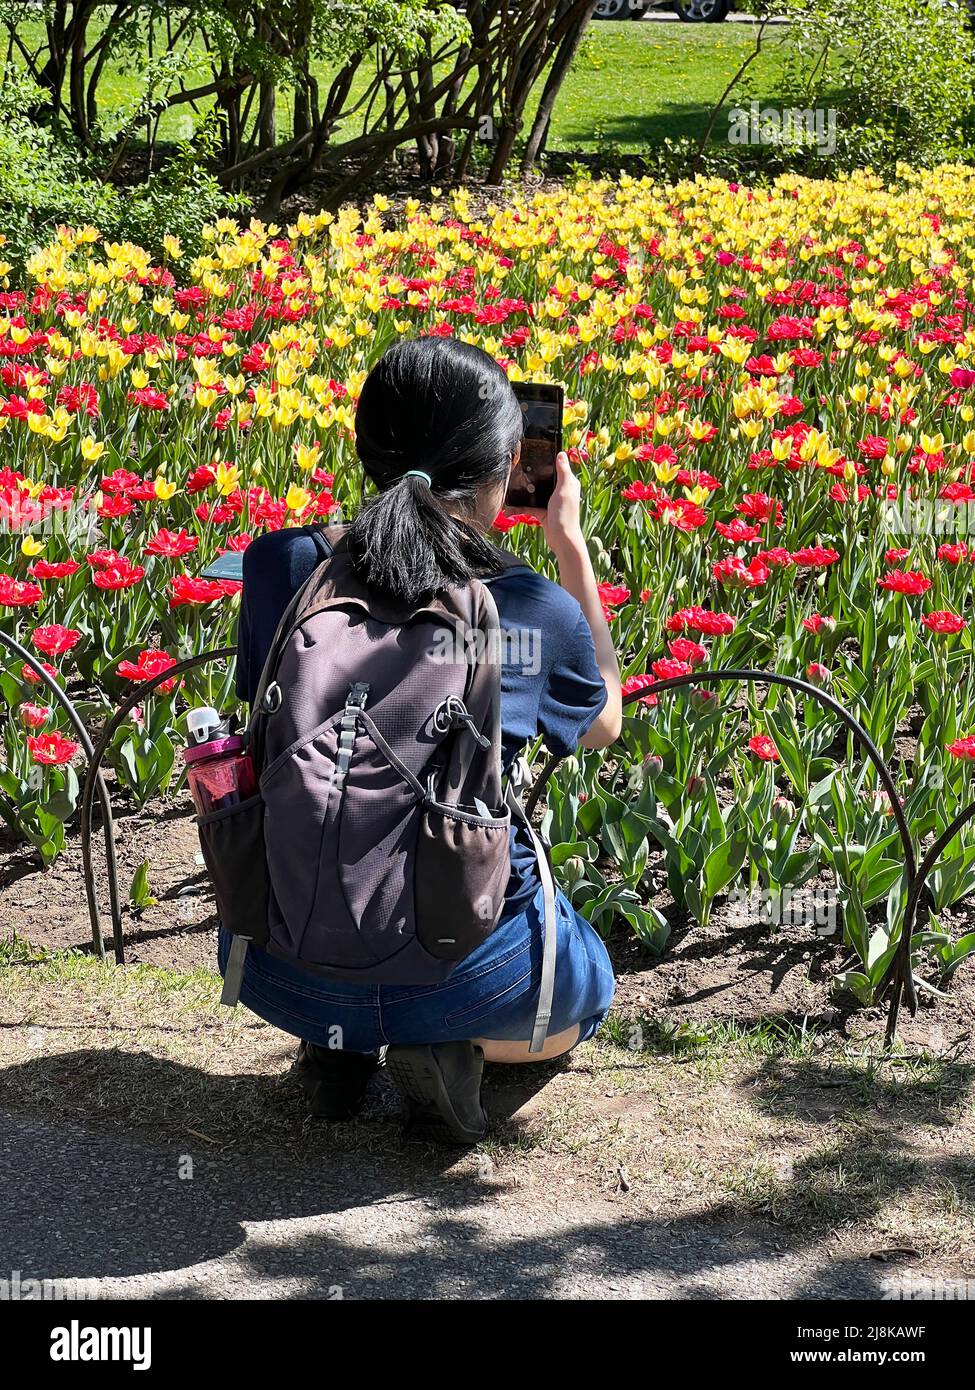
x,y
532,479
229,565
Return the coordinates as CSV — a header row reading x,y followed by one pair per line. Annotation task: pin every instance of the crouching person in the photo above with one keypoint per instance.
x,y
409,909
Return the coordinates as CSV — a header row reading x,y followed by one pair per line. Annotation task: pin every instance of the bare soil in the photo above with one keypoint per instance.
x,y
736,969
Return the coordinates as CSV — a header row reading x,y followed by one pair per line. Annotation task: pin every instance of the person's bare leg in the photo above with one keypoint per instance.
x,y
555,1044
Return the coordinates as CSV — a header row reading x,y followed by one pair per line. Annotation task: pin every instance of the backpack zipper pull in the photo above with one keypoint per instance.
x,y
465,718
451,714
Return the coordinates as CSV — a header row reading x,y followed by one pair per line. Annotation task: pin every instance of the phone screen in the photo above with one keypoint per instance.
x,y
532,479
229,565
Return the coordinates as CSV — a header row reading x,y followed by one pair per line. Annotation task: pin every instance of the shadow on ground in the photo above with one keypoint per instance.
x,y
282,1206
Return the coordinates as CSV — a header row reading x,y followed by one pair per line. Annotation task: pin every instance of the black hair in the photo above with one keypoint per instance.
x,y
446,408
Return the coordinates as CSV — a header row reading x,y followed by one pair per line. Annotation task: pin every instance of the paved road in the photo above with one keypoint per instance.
x,y
77,1207
668,17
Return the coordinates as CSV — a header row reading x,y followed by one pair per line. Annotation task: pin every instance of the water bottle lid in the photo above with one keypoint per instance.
x,y
201,723
213,748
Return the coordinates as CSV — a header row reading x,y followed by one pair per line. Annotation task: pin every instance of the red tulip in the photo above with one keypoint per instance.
x,y
911,582
31,676
633,683
700,620
172,544
53,569
121,576
683,649
814,557
18,593
150,663
187,590
944,622
34,716
55,639
763,748
52,749
667,668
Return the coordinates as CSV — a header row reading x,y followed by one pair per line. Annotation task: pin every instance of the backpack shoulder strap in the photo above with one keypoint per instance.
x,y
325,544
546,987
326,538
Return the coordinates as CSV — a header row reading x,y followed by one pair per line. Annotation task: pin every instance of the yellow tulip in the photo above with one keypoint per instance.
x,y
91,449
307,457
297,499
228,476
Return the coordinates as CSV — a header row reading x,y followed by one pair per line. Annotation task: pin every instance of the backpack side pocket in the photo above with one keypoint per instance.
x,y
463,863
232,841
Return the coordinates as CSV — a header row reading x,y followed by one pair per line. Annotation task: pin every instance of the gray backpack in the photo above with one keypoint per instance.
x,y
378,847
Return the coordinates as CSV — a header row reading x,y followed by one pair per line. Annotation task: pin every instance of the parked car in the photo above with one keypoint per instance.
x,y
691,11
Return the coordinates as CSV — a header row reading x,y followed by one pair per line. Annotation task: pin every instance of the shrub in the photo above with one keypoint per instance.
x,y
897,73
44,184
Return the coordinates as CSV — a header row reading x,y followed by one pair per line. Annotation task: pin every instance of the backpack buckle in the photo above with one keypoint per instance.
x,y
356,698
355,703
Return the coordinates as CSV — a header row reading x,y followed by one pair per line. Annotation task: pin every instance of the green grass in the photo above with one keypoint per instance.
x,y
659,1037
631,86
634,85
24,964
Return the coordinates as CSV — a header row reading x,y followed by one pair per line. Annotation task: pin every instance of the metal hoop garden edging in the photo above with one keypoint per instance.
x,y
97,940
900,974
96,755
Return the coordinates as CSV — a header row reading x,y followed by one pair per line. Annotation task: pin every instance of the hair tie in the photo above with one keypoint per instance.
x,y
419,473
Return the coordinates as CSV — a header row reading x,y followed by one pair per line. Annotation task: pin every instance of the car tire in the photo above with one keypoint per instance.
x,y
702,11
615,9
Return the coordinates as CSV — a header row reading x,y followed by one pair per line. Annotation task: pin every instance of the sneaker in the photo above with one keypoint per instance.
x,y
442,1087
334,1082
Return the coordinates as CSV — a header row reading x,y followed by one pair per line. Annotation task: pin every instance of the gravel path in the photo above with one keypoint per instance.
x,y
120,1216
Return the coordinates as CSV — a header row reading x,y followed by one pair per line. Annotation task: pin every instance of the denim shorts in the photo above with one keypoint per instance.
x,y
491,994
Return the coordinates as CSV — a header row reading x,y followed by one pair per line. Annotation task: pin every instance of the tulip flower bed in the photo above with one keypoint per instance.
x,y
771,403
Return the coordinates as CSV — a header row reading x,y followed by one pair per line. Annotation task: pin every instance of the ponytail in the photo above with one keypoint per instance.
x,y
405,545
450,405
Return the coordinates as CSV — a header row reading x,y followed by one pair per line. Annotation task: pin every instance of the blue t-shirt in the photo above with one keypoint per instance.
x,y
550,683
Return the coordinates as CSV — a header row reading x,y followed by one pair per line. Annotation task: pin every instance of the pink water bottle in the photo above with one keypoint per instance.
x,y
219,770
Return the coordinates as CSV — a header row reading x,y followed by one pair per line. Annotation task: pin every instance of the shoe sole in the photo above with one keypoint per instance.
x,y
421,1081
